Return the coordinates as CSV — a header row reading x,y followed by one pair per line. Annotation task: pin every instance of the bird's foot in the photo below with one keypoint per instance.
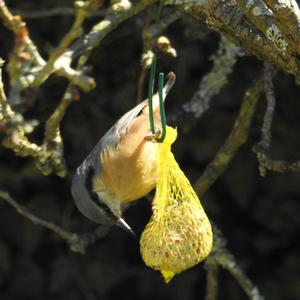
x,y
153,137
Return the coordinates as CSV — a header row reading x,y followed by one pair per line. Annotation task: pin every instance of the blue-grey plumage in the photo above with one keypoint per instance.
x,y
122,166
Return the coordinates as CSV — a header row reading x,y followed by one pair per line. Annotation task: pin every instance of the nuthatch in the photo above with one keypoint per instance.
x,y
122,166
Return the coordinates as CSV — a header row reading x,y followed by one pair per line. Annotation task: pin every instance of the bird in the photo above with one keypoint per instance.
x,y
121,168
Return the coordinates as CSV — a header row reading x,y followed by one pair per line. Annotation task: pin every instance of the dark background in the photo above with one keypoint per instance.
x,y
258,216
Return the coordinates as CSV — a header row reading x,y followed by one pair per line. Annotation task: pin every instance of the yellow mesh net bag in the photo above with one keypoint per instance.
x,y
178,235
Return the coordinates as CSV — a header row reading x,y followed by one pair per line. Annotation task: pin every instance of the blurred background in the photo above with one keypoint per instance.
x,y
258,216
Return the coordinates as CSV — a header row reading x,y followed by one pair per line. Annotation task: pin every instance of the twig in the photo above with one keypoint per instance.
x,y
147,56
16,138
36,220
279,166
223,16
5,111
15,24
83,10
262,149
34,70
222,257
156,29
53,160
88,42
2,93
234,141
24,58
53,122
54,12
212,270
102,29
210,85
77,243
49,156
150,33
266,137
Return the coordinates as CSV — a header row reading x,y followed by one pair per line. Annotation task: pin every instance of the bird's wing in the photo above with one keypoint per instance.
x,y
117,132
112,136
119,129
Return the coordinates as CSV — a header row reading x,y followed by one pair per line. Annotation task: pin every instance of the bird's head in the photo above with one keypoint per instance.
x,y
91,205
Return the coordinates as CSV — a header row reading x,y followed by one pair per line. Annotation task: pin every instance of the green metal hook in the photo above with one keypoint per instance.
x,y
150,96
162,107
160,90
161,101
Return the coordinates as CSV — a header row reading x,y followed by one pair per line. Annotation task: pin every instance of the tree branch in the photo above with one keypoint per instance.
x,y
84,9
262,18
93,38
150,33
54,12
26,66
14,126
235,140
53,160
49,156
222,257
212,270
271,103
227,18
18,27
262,149
210,84
287,15
16,129
77,243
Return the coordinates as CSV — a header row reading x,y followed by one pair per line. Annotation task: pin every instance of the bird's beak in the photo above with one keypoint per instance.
x,y
121,223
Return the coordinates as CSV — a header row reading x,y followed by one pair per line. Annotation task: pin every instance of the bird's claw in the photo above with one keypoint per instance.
x,y
153,137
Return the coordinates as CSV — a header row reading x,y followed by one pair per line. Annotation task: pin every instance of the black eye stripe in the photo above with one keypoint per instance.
x,y
89,187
